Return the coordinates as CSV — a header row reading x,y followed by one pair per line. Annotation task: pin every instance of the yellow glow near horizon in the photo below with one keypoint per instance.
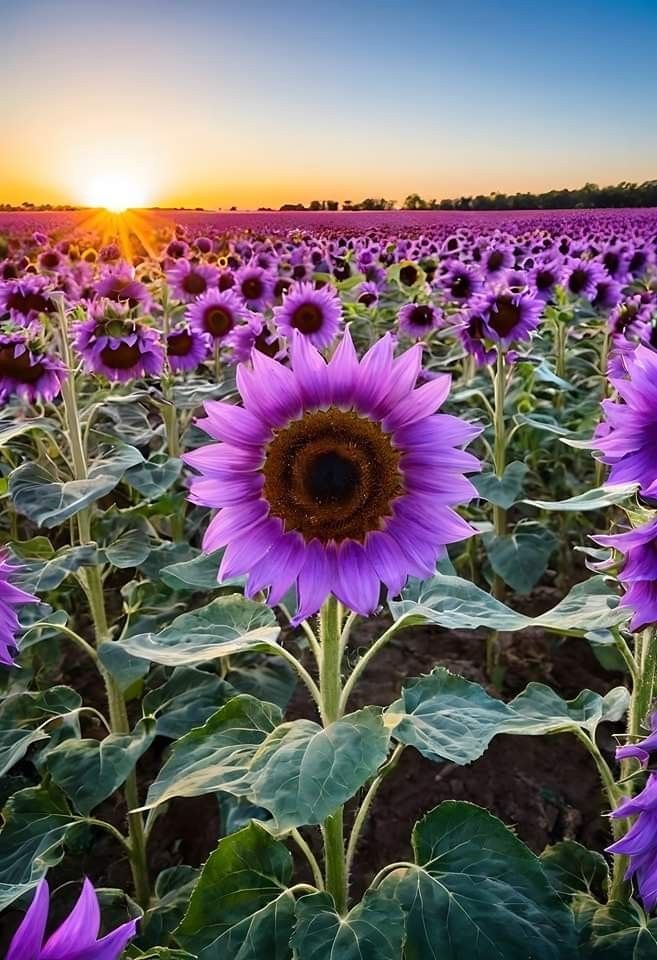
x,y
115,192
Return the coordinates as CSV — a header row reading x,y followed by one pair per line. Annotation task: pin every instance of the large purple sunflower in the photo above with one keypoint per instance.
x,y
639,571
119,348
314,312
191,280
333,476
255,286
509,316
10,598
27,372
626,440
119,285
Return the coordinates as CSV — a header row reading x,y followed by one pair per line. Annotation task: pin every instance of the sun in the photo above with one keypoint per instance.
x,y
116,192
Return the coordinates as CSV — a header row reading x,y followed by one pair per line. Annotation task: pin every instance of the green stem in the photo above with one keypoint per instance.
x,y
330,685
93,586
499,513
365,806
310,857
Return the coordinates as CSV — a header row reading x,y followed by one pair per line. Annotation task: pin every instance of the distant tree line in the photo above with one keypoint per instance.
x,y
590,196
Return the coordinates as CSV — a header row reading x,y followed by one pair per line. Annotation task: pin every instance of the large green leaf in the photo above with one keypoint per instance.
x,y
171,894
456,603
539,709
89,771
10,430
446,717
186,700
242,908
571,869
478,893
520,558
304,772
226,626
502,491
36,823
267,678
40,574
199,573
622,932
125,669
598,499
216,756
48,502
153,477
372,930
25,716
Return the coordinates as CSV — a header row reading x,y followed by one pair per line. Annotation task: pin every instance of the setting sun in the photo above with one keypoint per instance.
x,y
115,192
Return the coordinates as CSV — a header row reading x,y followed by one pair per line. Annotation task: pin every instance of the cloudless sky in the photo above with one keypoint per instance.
x,y
213,103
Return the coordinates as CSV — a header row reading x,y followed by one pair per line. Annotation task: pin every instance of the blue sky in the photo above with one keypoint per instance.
x,y
218,103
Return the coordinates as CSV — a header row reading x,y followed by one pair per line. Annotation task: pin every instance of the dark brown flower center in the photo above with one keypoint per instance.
x,y
544,279
218,321
194,284
408,274
19,368
179,344
460,286
263,344
50,260
578,281
505,316
252,288
495,261
25,303
332,475
122,357
421,315
307,318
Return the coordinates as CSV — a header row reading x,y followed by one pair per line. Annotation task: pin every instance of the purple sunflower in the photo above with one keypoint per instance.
x,y
75,939
28,372
119,348
26,299
216,313
255,286
581,277
10,598
188,280
461,281
119,285
626,437
418,319
333,476
254,335
186,348
509,316
638,574
314,312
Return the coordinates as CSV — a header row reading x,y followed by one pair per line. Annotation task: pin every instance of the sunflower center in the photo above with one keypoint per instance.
x,y
578,281
332,475
19,368
544,280
263,344
307,318
179,344
26,303
408,274
495,261
460,286
421,316
505,317
217,321
194,284
122,357
252,288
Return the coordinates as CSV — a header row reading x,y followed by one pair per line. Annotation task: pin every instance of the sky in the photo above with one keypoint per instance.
x,y
248,103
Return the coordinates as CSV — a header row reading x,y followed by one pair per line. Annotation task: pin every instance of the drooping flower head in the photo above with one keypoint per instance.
x,y
255,286
627,438
315,312
117,346
638,573
368,294
119,285
11,597
75,939
186,348
418,319
191,280
461,281
28,372
333,476
26,299
216,313
254,335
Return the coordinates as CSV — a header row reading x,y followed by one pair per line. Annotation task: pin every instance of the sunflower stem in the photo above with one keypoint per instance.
x,y
93,588
330,685
499,513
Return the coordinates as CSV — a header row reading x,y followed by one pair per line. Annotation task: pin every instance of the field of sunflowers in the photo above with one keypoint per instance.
x,y
328,586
